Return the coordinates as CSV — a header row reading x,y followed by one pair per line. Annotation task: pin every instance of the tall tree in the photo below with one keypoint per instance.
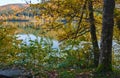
x,y
105,60
93,33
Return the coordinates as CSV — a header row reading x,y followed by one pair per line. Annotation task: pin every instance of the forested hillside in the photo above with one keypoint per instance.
x,y
18,11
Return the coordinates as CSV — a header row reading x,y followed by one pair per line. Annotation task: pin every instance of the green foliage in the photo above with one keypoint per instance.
x,y
78,54
8,44
38,54
117,18
67,74
116,48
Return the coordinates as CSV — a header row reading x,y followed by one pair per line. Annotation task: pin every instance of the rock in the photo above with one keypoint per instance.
x,y
11,72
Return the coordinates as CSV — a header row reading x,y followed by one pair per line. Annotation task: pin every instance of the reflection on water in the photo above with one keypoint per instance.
x,y
21,24
24,27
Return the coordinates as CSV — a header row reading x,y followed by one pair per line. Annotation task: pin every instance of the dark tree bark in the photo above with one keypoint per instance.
x,y
105,60
93,33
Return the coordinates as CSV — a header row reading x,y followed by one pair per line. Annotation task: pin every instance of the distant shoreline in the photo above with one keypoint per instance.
x,y
14,20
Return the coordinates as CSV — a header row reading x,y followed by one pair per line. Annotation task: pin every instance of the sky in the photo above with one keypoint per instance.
x,y
5,2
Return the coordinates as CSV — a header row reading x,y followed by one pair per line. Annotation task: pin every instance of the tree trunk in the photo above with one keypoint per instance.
x,y
105,60
93,33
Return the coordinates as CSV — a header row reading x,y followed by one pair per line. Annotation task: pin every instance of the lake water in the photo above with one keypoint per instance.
x,y
27,37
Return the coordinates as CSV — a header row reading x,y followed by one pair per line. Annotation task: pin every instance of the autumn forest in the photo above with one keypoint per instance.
x,y
60,39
